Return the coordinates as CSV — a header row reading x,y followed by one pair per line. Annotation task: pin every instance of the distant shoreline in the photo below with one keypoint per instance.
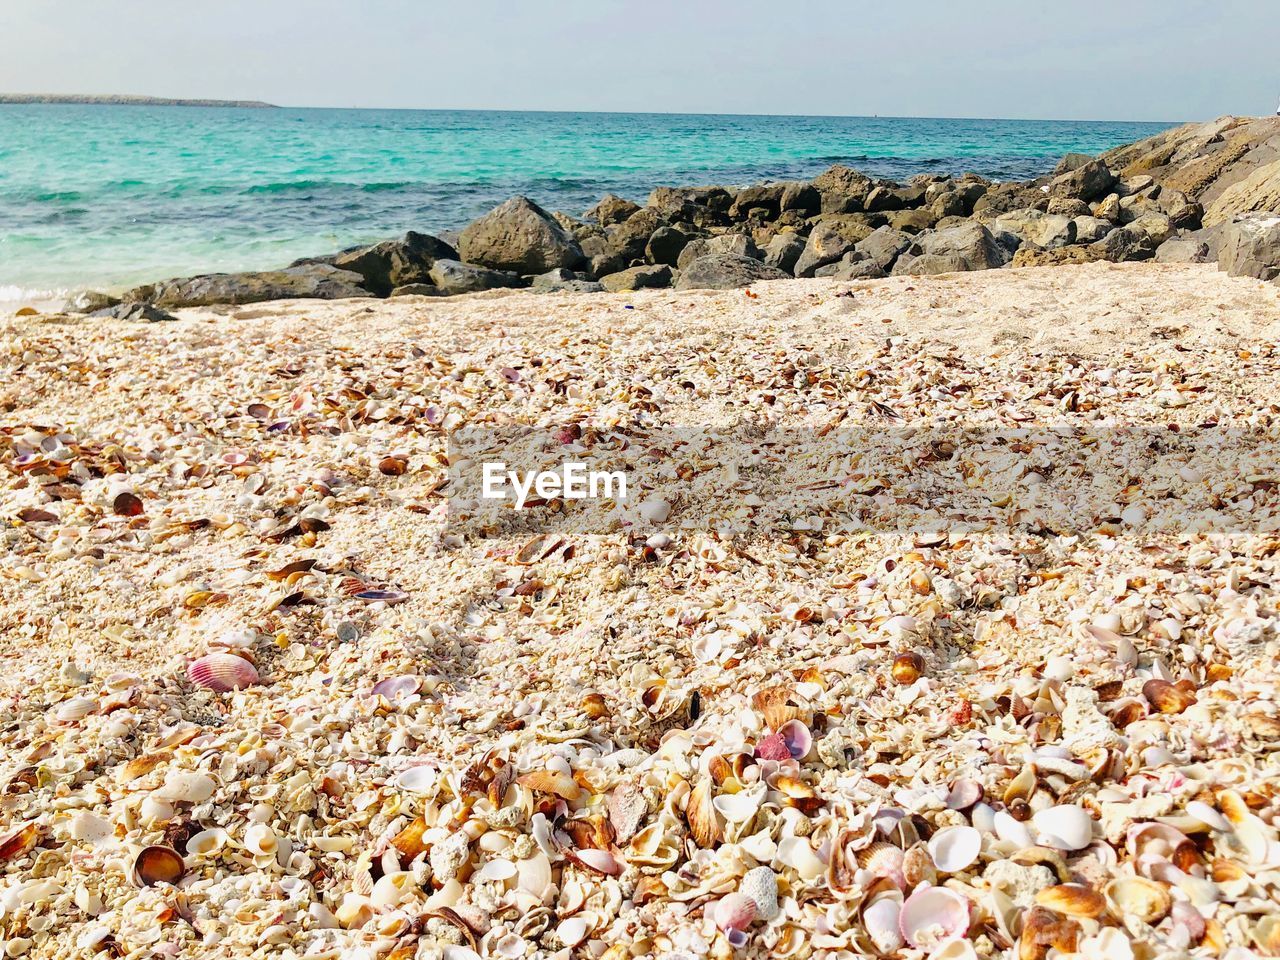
x,y
120,100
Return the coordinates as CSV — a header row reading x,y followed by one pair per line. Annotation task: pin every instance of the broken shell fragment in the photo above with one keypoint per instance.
x,y
550,781
1165,697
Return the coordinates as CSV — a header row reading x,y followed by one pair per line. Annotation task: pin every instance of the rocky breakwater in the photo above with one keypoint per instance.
x,y
1196,193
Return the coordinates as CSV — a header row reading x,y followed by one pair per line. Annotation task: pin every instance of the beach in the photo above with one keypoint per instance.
x,y
411,741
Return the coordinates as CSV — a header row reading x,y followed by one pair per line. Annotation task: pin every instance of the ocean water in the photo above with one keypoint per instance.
x,y
107,196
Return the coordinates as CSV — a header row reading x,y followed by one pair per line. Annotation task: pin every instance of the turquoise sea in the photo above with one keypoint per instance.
x,y
105,196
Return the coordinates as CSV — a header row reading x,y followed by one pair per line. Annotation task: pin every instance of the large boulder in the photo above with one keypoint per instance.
x,y
1260,191
628,240
738,244
913,221
701,206
451,278
843,189
1091,229
957,201
561,280
611,209
1123,244
1183,250
1072,161
1091,181
1002,198
802,197
831,239
784,250
134,313
311,281
637,278
970,246
725,271
883,247
1250,247
664,245
520,237
90,301
767,196
395,263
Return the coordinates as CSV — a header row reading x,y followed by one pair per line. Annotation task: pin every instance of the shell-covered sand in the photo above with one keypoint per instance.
x,y
577,749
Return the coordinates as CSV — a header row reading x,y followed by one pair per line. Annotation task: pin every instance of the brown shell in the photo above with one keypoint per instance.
x,y
548,781
1166,697
704,823
1042,929
907,668
141,766
19,842
157,864
595,707
778,705
1073,900
409,840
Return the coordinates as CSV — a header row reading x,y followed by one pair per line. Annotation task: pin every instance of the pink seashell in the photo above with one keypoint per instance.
x,y
395,688
880,918
773,747
734,912
222,672
602,861
797,737
933,915
964,794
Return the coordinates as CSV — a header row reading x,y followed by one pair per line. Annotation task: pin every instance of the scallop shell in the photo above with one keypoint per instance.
x,y
704,825
955,848
933,915
157,864
1065,827
883,859
1131,897
761,885
77,708
1073,900
734,912
221,672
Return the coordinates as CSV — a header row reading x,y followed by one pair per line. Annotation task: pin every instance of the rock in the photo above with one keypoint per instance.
x,y
1054,230
1091,181
913,221
1123,244
701,206
843,189
637,278
1090,229
1183,212
725,271
1251,247
891,196
520,237
1109,209
1071,162
562,280
767,196
1155,225
958,201
1033,256
395,263
417,290
1260,191
1002,198
830,240
800,196
1183,250
882,248
315,281
964,248
735,243
665,244
1068,207
627,241
134,312
783,251
611,209
848,269
452,278
89,301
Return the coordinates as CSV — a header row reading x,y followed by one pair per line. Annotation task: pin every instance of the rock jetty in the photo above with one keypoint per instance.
x,y
1200,192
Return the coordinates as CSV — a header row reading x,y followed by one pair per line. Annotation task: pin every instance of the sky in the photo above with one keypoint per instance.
x,y
1082,59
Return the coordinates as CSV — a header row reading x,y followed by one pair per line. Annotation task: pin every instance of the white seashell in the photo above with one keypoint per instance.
x,y
655,511
1011,831
154,809
795,852
420,779
955,848
738,807
1065,827
880,918
77,708
955,949
497,870
535,875
396,688
207,842
1207,815
511,946
221,672
1059,668
901,625
90,828
572,932
600,860
391,888
707,648
186,787
983,817
260,840
933,915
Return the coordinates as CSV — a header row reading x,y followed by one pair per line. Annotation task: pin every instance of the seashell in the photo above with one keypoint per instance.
x,y
77,708
778,705
700,812
393,465
595,707
797,793
773,747
1127,711
1165,697
221,672
707,648
186,787
1073,900
1011,831
797,737
1022,786
157,864
551,781
737,807
933,915
409,841
880,918
907,668
955,848
206,842
497,869
126,504
1207,815
388,597
572,932
1065,827
627,810
796,852
261,841
534,876
90,828
918,867
964,794
655,511
734,912
420,779
153,810
1137,897
1043,929
761,885
142,765
396,688
884,860
601,861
